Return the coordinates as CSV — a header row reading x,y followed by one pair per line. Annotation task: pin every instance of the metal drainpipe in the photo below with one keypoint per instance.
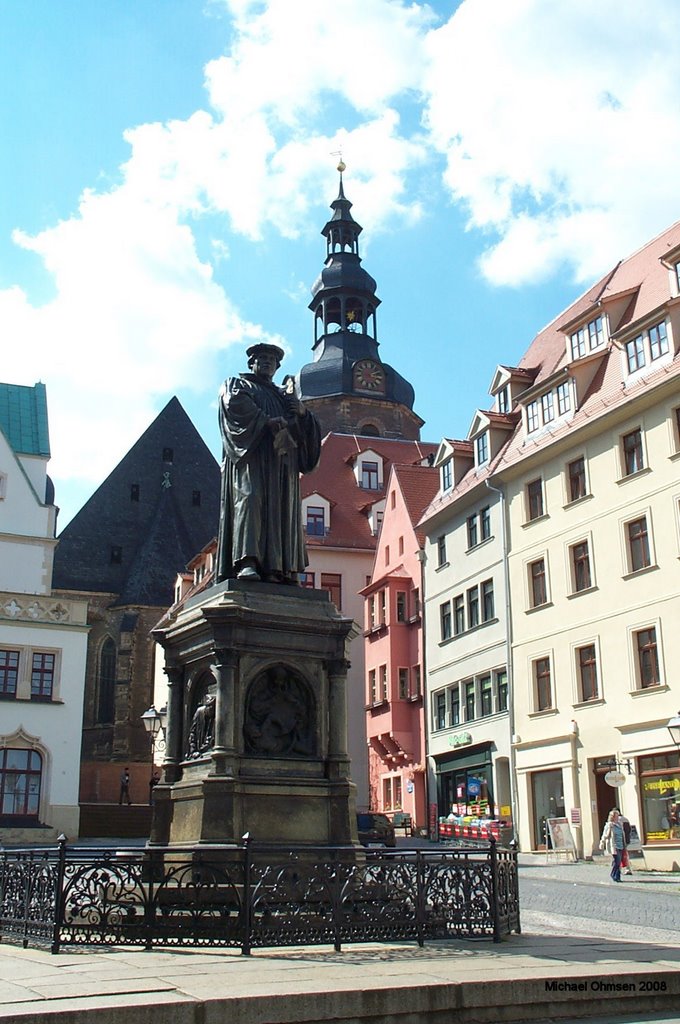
x,y
508,662
426,697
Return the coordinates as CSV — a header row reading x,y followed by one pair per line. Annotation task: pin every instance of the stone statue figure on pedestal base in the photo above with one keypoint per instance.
x,y
268,439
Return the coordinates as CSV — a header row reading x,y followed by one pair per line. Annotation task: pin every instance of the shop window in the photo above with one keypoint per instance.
x,y
534,499
42,675
9,673
542,684
647,658
501,681
547,798
576,479
660,792
20,781
538,590
587,673
332,582
581,578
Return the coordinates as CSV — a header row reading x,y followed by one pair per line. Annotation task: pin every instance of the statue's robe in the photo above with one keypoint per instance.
x,y
261,514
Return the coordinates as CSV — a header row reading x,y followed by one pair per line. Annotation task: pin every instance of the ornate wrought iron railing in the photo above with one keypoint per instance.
x,y
253,895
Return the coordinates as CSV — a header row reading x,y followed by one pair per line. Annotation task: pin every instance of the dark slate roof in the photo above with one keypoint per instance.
x,y
155,536
23,418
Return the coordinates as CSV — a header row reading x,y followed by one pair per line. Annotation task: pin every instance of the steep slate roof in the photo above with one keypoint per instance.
x,y
157,534
23,418
334,479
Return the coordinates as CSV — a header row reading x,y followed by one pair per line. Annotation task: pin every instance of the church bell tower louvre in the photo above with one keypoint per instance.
x,y
347,386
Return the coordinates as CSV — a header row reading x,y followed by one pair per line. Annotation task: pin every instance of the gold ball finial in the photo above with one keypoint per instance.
x,y
342,166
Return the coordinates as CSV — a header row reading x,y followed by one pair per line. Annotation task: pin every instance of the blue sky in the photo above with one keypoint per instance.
x,y
168,165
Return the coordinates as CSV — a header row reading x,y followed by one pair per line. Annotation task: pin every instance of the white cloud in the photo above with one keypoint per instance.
x,y
559,125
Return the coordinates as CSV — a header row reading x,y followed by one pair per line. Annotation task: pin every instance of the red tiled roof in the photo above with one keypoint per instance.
x,y
418,484
334,479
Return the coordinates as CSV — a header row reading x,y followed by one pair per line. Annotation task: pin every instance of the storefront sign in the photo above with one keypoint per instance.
x,y
615,779
460,739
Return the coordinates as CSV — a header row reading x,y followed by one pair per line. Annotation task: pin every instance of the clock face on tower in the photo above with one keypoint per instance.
x,y
368,376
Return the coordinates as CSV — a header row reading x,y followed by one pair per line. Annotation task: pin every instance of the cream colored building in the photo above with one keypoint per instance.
x,y
592,483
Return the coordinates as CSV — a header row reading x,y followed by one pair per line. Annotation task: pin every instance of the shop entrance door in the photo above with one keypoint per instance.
x,y
606,796
547,800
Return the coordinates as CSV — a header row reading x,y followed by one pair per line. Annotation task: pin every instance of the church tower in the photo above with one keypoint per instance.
x,y
347,386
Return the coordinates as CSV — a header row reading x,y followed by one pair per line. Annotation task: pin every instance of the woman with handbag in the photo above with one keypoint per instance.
x,y
613,840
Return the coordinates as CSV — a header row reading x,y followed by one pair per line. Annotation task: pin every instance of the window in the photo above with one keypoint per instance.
x,y
392,793
401,606
372,690
459,614
332,582
307,580
487,600
472,538
403,684
383,683
441,550
587,673
369,476
647,658
196,499
593,332
501,690
473,607
382,598
578,343
548,407
576,472
9,672
400,546
503,399
116,555
134,492
482,448
639,556
580,566
42,676
415,682
485,696
316,521
469,700
534,499
445,618
106,683
20,777
633,455
485,521
532,417
440,710
563,398
447,475
454,718
635,354
168,455
659,787
658,340
415,602
537,583
543,685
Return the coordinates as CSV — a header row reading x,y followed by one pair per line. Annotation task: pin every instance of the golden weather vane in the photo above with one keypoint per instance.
x,y
341,164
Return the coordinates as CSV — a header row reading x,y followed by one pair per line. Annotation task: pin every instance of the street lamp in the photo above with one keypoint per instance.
x,y
674,729
154,723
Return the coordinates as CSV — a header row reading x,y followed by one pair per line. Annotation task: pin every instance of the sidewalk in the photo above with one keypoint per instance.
x,y
527,977
596,871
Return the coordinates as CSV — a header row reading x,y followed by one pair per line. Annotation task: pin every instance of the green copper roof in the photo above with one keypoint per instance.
x,y
23,418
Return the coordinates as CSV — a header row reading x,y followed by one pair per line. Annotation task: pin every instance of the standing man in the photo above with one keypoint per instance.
x,y
268,439
125,786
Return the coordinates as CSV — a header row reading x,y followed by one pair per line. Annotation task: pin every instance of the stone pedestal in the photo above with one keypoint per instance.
x,y
257,719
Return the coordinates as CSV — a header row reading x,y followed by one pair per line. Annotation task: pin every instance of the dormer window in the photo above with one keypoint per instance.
x,y
563,398
548,407
648,346
482,448
587,338
375,517
551,406
503,399
369,476
533,420
447,475
315,523
368,471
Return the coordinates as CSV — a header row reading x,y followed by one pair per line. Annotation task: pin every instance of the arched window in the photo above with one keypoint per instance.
x,y
106,699
20,778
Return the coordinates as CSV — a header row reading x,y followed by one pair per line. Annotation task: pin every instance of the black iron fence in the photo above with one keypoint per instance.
x,y
253,895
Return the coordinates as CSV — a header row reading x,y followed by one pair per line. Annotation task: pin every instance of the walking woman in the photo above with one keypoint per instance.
x,y
613,841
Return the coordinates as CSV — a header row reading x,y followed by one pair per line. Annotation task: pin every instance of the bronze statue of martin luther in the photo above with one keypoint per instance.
x,y
268,439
